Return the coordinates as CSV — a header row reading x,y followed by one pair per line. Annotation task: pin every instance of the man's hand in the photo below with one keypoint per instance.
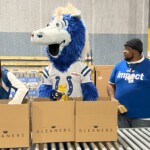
x,y
122,109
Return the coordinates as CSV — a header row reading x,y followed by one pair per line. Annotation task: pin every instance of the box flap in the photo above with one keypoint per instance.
x,y
41,99
96,107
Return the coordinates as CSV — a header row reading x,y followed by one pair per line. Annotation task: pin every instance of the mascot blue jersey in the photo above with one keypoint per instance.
x,y
132,83
75,75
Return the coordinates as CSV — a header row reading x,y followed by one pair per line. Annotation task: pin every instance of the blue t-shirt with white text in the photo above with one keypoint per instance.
x,y
134,94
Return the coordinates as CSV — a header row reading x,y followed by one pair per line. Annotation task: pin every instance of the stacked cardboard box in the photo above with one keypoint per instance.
x,y
32,80
102,74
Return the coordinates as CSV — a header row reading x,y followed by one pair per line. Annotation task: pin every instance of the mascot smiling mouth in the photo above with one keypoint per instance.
x,y
54,49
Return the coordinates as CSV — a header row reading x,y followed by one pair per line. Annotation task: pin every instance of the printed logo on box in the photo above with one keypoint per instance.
x,y
7,134
95,128
53,129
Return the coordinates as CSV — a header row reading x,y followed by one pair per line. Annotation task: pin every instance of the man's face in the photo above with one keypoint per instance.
x,y
128,53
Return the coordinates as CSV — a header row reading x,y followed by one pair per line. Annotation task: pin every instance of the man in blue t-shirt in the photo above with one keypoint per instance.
x,y
130,84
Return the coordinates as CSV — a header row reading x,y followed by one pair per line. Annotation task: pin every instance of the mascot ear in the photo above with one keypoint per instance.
x,y
78,16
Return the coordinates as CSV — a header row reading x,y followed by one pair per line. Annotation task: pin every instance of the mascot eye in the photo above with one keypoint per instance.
x,y
47,24
61,24
58,24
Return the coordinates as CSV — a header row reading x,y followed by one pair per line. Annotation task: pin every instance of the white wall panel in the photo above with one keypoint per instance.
x,y
120,16
29,15
100,16
48,7
19,15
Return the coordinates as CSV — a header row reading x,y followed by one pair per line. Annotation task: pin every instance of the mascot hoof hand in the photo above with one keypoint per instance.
x,y
56,95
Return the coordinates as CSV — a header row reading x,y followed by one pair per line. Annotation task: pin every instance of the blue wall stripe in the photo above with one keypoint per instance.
x,y
107,48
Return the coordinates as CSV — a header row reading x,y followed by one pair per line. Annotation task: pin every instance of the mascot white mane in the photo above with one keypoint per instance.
x,y
66,38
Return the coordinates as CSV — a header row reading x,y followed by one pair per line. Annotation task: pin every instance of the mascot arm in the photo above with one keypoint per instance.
x,y
89,91
45,90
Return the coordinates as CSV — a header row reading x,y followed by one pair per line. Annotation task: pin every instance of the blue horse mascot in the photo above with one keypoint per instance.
x,y
67,75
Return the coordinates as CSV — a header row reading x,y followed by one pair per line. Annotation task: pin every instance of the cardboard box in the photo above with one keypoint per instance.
x,y
52,121
96,120
102,78
14,125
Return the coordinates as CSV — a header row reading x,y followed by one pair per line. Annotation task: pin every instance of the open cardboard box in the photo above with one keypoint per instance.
x,y
52,121
96,120
14,125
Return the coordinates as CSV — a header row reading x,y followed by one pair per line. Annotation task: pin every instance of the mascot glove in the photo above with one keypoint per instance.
x,y
56,95
122,109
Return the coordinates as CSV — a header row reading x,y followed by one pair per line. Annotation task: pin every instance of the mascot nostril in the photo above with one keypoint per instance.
x,y
32,35
66,41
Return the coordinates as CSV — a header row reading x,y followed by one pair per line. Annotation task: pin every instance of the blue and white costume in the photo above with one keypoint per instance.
x,y
133,88
10,81
65,37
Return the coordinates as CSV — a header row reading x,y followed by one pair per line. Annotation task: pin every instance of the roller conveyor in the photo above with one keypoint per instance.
x,y
128,139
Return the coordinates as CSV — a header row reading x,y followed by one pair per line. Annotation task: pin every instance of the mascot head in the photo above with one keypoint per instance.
x,y
65,37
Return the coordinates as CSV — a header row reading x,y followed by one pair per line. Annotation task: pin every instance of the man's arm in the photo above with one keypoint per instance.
x,y
111,90
111,93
